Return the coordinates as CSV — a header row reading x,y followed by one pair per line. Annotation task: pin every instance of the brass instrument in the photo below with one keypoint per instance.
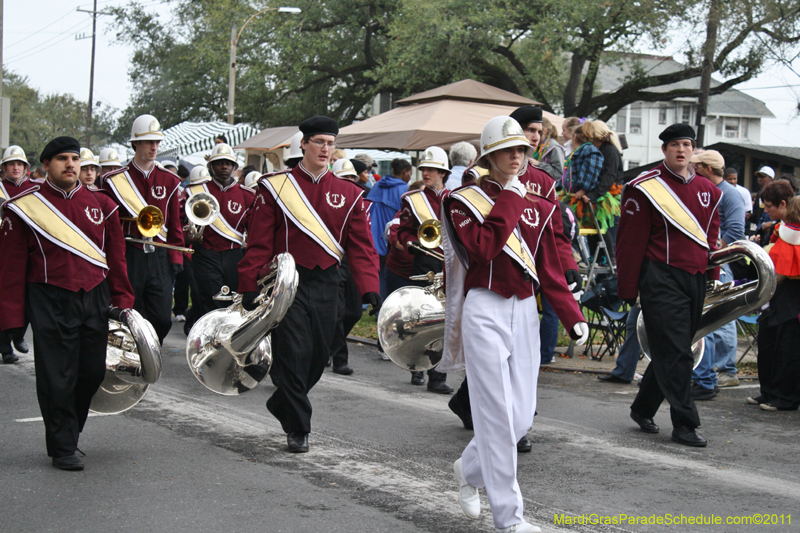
x,y
133,363
725,302
228,350
411,324
429,234
202,209
149,222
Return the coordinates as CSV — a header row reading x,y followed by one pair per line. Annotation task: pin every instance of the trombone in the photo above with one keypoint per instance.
x,y
149,222
429,234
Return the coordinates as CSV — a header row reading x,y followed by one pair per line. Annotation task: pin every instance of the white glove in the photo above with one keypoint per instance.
x,y
577,295
582,330
515,185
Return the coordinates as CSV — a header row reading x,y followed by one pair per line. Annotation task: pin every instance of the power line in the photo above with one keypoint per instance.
x,y
22,55
59,19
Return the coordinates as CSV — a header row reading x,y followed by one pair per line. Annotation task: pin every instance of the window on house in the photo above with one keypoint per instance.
x,y
743,131
731,128
662,115
622,120
686,115
718,129
636,118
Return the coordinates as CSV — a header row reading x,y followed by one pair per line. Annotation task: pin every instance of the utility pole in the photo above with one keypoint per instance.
x,y
709,49
94,14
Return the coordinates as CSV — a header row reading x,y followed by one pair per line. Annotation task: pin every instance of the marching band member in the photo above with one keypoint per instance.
x,y
109,162
318,218
669,225
14,181
89,168
417,207
499,251
152,269
64,264
218,247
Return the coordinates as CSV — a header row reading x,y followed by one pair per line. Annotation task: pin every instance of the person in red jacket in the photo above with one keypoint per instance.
x,y
64,265
317,218
500,250
669,224
218,248
14,181
143,182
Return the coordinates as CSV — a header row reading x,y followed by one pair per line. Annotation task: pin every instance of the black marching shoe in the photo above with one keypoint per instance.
x,y
439,387
70,462
701,394
524,445
647,424
9,358
417,378
463,414
688,437
21,346
611,378
342,369
297,442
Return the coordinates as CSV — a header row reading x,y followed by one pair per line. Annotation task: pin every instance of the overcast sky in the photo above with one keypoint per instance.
x,y
39,43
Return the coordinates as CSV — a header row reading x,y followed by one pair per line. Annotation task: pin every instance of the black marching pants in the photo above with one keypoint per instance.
x,y
151,278
183,282
212,270
70,332
6,338
672,304
300,347
348,313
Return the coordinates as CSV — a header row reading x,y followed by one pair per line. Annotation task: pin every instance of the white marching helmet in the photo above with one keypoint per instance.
x,y
502,132
88,159
223,151
343,167
146,128
15,153
251,180
199,174
109,157
435,157
294,146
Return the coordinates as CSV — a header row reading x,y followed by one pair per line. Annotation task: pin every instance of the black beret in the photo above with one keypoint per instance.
x,y
527,114
676,132
60,145
319,125
359,166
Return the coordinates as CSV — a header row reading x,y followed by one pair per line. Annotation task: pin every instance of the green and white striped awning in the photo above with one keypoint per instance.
x,y
192,137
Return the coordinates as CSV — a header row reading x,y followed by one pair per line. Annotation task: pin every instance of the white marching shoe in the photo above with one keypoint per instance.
x,y
467,494
524,527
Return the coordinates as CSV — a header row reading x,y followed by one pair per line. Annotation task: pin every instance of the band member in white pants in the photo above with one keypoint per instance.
x,y
500,250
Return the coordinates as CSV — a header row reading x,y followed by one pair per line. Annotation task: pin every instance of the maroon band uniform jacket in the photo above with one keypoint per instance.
x,y
644,232
491,268
28,257
235,202
158,187
338,203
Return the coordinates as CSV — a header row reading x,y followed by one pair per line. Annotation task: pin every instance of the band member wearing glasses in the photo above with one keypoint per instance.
x,y
500,250
318,218
63,265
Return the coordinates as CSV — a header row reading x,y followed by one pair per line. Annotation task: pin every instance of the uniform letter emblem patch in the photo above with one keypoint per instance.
x,y
94,215
335,200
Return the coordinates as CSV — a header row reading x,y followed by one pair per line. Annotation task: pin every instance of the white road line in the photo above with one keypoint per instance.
x,y
39,418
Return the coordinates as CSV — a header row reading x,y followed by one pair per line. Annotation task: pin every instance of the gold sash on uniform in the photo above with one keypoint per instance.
x,y
44,218
420,206
3,193
673,209
220,225
515,246
129,196
294,203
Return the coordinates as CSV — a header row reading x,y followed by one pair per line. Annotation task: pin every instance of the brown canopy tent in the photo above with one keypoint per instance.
x,y
441,117
268,143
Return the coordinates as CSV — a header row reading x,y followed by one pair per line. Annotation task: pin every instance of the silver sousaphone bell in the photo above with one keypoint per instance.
x,y
725,301
228,350
133,363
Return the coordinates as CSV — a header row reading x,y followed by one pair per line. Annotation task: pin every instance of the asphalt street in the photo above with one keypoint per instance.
x,y
186,459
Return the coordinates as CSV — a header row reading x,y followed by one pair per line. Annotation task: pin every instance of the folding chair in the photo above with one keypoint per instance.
x,y
748,324
606,316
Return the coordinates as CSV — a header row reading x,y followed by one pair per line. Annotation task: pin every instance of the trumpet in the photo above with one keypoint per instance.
x,y
202,209
429,234
149,222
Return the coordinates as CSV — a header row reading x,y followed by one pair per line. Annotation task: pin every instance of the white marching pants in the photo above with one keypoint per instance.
x,y
501,349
